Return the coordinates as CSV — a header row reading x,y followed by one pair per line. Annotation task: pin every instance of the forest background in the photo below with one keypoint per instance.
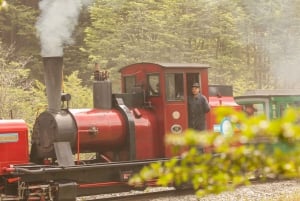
x,y
249,45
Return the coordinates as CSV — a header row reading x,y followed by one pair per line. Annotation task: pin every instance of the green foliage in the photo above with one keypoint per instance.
x,y
81,96
24,98
20,97
17,23
248,43
232,36
258,149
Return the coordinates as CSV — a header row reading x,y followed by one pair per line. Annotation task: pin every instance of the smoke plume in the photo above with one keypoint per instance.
x,y
56,24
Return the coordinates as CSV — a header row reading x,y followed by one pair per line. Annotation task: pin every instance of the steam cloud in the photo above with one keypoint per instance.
x,y
56,24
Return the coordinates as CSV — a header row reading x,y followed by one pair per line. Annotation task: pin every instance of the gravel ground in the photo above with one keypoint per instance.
x,y
258,192
283,190
274,191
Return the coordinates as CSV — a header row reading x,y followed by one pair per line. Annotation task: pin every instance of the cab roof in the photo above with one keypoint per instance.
x,y
171,65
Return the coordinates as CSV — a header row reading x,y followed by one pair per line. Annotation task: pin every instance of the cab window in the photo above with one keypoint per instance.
x,y
153,84
129,82
174,86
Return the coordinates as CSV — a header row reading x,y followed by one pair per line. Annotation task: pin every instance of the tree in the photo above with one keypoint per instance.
x,y
169,31
248,45
24,98
17,29
20,96
81,95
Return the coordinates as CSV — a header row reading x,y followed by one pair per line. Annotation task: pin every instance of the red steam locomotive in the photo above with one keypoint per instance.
x,y
124,132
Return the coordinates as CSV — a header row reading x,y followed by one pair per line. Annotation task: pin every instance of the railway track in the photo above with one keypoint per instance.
x,y
166,193
148,194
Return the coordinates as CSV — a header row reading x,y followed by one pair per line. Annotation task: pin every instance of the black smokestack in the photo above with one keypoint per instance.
x,y
53,67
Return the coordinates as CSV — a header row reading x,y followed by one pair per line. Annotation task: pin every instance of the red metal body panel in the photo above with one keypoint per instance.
x,y
112,133
222,101
148,139
13,143
176,114
176,121
204,82
140,71
110,125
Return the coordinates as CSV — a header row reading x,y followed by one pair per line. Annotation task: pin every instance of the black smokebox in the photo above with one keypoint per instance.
x,y
53,67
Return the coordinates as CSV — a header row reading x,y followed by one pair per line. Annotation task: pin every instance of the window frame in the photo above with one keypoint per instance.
x,y
177,94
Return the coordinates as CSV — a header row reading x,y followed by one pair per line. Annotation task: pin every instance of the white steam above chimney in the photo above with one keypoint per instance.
x,y
56,24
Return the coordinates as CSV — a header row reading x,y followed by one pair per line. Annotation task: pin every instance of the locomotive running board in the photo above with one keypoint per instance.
x,y
63,154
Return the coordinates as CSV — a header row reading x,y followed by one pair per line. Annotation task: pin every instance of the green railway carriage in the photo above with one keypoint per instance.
x,y
272,103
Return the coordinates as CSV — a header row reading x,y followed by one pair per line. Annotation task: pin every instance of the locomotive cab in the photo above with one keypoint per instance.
x,y
166,87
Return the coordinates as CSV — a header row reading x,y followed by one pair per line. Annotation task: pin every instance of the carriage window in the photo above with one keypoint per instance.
x,y
254,109
129,83
274,111
174,86
296,104
260,109
153,85
282,108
